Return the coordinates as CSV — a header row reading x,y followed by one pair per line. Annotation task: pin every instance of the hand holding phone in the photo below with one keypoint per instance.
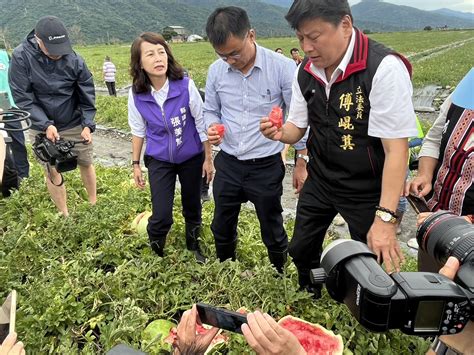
x,y
8,316
221,318
418,204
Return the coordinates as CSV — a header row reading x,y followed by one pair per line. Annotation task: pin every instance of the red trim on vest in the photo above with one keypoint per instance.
x,y
307,68
358,60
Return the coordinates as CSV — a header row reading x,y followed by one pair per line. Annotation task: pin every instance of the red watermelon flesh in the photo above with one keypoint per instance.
x,y
276,116
315,339
220,129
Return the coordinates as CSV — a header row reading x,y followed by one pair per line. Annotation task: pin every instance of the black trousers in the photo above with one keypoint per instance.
x,y
111,88
18,149
162,178
258,181
317,207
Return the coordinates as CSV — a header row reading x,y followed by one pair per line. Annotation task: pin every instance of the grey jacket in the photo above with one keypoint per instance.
x,y
55,92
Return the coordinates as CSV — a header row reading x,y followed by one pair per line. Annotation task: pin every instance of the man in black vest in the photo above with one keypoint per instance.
x,y
355,94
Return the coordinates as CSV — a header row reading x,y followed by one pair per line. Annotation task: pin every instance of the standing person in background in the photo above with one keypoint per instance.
x,y
52,82
108,70
279,50
355,94
242,86
165,107
17,145
295,55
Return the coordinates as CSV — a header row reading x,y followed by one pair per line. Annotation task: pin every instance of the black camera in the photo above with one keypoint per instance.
x,y
417,303
56,154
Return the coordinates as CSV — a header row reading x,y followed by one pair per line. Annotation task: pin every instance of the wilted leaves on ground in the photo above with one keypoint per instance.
x,y
88,282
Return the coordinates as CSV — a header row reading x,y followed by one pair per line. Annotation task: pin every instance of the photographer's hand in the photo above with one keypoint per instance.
x,y
11,347
188,342
266,336
461,342
86,135
382,240
52,133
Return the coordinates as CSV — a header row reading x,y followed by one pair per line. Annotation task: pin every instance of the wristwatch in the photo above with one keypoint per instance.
x,y
302,156
135,162
386,216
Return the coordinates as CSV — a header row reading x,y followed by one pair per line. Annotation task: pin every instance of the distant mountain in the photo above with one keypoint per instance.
x,y
282,3
99,21
380,16
464,15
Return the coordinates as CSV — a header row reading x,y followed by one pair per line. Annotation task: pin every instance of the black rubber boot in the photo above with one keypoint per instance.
x,y
306,285
158,244
192,242
226,251
278,259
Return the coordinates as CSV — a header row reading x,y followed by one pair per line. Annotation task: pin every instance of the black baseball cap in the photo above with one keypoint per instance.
x,y
54,35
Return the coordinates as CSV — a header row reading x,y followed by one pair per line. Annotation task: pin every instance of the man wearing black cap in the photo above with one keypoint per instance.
x,y
52,82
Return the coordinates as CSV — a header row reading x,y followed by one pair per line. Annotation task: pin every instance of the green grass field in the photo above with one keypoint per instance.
x,y
89,282
197,57
438,57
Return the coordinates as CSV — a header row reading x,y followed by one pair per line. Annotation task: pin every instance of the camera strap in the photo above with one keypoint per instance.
x,y
48,167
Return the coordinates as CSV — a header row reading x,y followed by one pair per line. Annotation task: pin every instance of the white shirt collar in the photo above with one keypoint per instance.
x,y
164,88
341,68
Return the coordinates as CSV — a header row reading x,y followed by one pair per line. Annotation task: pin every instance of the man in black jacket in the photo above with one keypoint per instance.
x,y
52,82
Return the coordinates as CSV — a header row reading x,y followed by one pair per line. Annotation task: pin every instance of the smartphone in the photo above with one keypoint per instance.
x,y
221,318
418,203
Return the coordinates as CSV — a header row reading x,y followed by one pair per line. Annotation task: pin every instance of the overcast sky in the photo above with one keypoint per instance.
x,y
458,5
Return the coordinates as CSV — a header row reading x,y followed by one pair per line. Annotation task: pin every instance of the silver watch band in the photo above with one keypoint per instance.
x,y
302,156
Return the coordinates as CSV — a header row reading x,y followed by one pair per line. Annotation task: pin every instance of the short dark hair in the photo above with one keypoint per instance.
x,y
294,50
278,49
227,21
141,81
331,11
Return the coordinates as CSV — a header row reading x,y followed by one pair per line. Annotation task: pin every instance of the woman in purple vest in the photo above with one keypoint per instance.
x,y
165,108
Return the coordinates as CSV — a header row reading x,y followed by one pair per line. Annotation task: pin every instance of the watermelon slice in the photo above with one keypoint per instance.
x,y
276,116
314,338
220,129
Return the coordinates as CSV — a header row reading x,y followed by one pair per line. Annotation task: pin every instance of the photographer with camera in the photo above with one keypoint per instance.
x,y
446,165
52,82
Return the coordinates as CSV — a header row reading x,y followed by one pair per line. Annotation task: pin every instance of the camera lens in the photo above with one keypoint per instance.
x,y
444,234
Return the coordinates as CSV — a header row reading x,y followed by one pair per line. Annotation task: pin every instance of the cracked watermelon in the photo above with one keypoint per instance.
x,y
156,336
140,222
276,116
315,339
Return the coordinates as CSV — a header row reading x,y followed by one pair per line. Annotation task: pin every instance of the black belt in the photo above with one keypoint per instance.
x,y
254,160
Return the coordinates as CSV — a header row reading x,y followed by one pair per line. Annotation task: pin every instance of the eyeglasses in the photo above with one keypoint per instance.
x,y
237,54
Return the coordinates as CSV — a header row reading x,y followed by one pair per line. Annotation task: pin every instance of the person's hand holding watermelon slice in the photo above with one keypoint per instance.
x,y
271,126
